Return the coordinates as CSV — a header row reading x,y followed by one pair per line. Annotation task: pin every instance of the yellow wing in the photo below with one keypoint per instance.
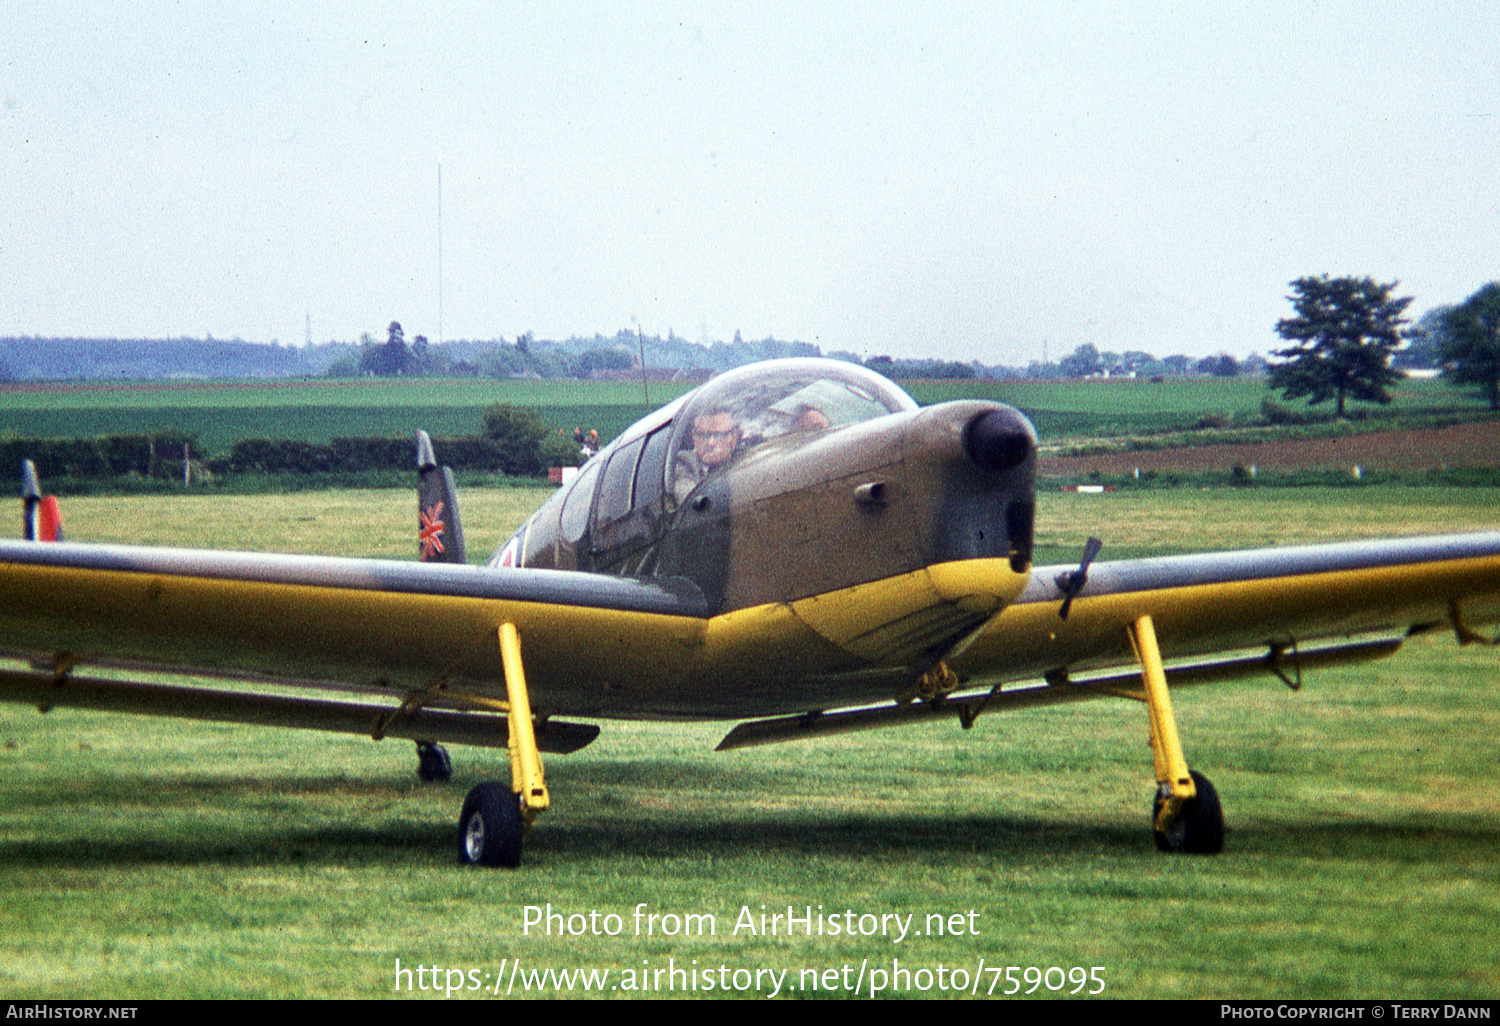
x,y
413,636
1220,615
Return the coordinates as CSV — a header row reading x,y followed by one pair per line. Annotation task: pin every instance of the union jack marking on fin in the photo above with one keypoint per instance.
x,y
508,554
431,533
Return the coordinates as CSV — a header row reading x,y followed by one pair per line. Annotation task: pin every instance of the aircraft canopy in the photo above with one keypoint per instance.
x,y
796,397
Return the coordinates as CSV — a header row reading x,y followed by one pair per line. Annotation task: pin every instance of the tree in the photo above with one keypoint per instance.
x,y
1471,342
518,432
388,360
1221,365
1345,331
605,358
1083,362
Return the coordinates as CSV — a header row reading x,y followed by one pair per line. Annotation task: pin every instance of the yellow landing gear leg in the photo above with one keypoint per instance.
x,y
1185,814
525,761
495,816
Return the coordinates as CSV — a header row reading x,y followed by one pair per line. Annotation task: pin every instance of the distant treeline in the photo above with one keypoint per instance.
x,y
81,359
85,359
598,356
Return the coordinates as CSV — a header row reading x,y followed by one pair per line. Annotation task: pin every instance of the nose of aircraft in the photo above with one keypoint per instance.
x,y
999,439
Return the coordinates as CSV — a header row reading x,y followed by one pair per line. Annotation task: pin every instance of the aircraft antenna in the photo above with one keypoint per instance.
x,y
440,251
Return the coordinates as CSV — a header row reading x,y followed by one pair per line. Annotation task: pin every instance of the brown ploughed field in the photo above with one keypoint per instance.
x,y
1462,445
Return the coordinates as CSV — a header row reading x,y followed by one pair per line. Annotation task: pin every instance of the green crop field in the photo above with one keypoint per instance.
x,y
148,858
222,413
1073,409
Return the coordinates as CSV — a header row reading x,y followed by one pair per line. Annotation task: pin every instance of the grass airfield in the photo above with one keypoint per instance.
x,y
151,858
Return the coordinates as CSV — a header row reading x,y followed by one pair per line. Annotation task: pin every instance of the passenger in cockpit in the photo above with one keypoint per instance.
x,y
715,438
810,419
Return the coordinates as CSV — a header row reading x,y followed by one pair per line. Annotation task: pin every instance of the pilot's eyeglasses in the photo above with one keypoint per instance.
x,y
713,436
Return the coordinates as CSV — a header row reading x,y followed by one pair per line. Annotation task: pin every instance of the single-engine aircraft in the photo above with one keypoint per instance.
x,y
794,544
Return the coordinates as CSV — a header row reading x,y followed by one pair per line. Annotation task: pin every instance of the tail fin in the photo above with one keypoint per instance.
x,y
41,520
439,530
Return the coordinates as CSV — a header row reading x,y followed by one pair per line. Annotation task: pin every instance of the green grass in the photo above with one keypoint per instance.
x,y
146,858
374,523
1147,523
1076,415
1482,479
282,483
347,393
1177,397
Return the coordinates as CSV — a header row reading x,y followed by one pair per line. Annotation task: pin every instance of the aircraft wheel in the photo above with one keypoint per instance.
x,y
489,828
433,764
1199,829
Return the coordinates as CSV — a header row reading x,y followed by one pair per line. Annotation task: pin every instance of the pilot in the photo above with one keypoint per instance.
x,y
715,438
809,420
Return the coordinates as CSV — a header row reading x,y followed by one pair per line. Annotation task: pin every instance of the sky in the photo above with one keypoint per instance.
x,y
989,182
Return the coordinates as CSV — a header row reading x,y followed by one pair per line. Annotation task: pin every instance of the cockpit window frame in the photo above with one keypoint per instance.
x,y
616,490
578,503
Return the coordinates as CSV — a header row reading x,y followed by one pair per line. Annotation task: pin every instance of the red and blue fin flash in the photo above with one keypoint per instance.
x,y
41,520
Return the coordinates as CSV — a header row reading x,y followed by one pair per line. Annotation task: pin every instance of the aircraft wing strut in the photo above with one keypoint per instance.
x,y
966,706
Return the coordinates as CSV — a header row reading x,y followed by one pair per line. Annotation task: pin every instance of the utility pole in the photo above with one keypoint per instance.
x,y
640,338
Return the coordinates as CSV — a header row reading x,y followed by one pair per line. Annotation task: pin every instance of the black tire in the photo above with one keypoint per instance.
x,y
1199,829
433,764
489,828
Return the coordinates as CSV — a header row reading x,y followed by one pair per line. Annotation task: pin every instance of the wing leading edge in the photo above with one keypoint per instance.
x,y
1218,602
611,646
1292,609
385,626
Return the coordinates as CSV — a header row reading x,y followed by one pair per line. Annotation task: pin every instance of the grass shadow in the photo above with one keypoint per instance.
x,y
694,811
